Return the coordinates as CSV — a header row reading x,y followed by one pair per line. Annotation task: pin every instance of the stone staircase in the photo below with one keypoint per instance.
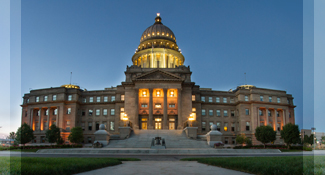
x,y
143,138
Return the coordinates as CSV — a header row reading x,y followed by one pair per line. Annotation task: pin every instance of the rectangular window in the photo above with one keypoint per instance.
x,y
218,126
122,97
203,111
233,127
210,99
104,111
260,112
224,99
27,100
69,111
278,100
210,124
37,99
54,97
83,126
68,122
269,113
45,98
112,126
247,126
225,127
226,140
246,98
210,112
193,97
193,109
97,112
121,110
203,126
218,113
261,98
247,111
98,99
277,114
38,113
90,112
232,100
233,140
288,101
91,99
84,100
69,97
232,113
225,113
203,99
144,105
105,123
90,126
112,111
105,99
218,99
47,112
83,113
157,105
55,112
172,105
270,99
112,98
97,126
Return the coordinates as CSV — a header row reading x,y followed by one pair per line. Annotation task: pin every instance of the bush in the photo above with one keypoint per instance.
x,y
307,149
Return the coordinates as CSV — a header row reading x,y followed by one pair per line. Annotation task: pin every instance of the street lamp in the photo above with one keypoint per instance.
x,y
191,119
314,139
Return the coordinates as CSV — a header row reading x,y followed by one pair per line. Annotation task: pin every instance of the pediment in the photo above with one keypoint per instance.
x,y
158,75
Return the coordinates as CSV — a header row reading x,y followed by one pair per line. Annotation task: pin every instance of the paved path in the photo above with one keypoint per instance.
x,y
163,167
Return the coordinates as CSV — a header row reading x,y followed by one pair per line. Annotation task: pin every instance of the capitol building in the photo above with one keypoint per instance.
x,y
157,94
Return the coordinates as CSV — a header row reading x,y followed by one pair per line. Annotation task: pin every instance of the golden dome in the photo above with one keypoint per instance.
x,y
70,86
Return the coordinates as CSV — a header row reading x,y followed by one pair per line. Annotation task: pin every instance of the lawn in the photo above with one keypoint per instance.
x,y
269,165
49,166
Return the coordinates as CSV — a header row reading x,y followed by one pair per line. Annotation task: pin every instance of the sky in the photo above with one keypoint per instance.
x,y
220,40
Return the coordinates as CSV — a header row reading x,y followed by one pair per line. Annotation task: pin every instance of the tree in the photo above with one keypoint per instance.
x,y
309,139
12,135
24,134
323,139
76,135
290,134
53,134
240,139
265,134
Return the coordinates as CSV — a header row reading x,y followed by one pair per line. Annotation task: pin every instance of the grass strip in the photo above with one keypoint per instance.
x,y
269,165
55,166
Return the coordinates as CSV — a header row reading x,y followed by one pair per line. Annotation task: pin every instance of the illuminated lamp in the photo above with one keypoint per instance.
x,y
225,128
158,14
172,93
144,93
125,119
158,93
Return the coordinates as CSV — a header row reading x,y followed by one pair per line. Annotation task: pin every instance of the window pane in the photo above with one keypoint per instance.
x,y
203,99
210,112
225,100
112,111
203,111
225,113
113,98
218,113
218,100
91,99
98,99
105,99
210,99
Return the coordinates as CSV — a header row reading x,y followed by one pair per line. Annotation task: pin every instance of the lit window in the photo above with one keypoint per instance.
x,y
112,111
158,32
225,100
225,113
69,97
172,93
98,99
270,99
105,99
193,109
210,112
232,113
246,98
45,98
218,99
144,105
104,111
158,105
247,126
69,111
91,99
193,97
203,111
97,111
112,98
37,99
210,99
122,97
121,110
203,99
153,33
90,112
218,113
261,98
247,111
172,105
158,94
144,93
225,127
167,34
278,100
163,34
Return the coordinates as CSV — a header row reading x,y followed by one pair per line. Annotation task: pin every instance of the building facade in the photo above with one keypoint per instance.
x,y
157,93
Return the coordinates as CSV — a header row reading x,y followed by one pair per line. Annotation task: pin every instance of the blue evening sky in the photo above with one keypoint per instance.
x,y
220,40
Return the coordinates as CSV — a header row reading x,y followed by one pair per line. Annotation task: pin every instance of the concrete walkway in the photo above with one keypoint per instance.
x,y
163,167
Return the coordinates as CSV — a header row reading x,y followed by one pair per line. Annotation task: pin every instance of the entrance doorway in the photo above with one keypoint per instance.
x,y
157,123
144,123
171,126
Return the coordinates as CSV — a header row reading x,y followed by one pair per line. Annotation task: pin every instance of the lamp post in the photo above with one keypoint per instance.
x,y
314,133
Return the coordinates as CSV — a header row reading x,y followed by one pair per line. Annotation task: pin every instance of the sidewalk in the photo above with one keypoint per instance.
x,y
163,167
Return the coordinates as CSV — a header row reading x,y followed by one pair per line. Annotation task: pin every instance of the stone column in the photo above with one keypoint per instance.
x,y
275,120
48,118
179,106
150,126
284,119
57,117
31,117
136,117
165,109
258,117
267,117
39,118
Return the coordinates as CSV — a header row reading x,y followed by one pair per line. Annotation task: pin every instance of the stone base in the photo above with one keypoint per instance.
x,y
191,132
125,132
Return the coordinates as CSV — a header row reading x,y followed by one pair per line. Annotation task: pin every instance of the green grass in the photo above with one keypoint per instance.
x,y
49,166
269,165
